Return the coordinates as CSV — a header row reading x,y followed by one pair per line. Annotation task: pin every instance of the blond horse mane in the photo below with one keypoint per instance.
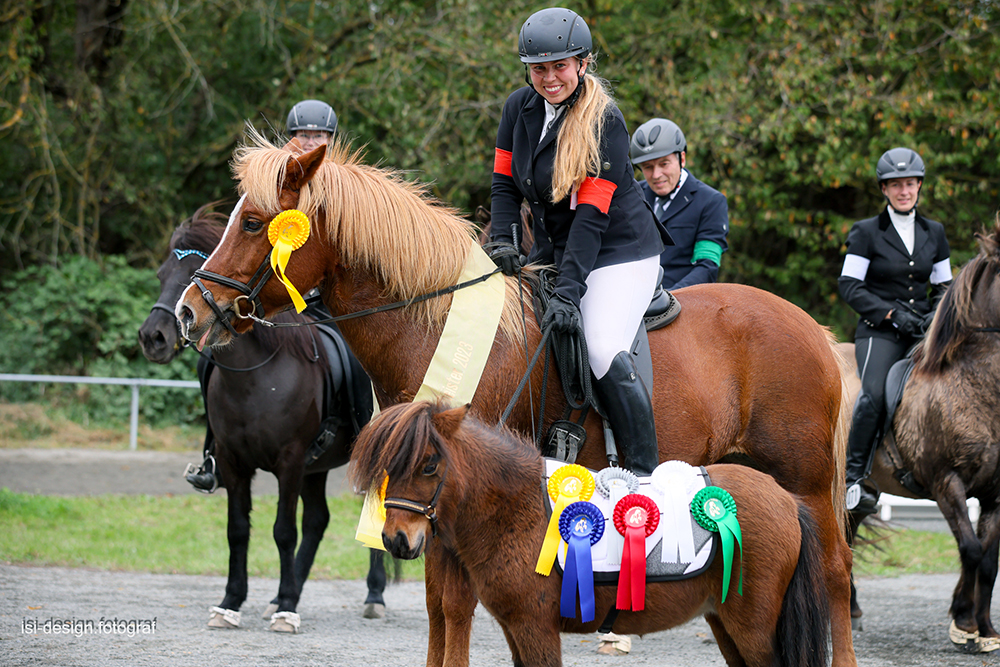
x,y
378,220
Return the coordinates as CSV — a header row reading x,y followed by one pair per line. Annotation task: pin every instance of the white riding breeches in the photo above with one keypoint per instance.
x,y
617,297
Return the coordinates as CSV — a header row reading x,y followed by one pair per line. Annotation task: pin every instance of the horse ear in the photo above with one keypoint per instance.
x,y
447,422
302,168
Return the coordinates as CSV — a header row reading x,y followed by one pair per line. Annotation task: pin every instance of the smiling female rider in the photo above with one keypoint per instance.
x,y
891,261
563,145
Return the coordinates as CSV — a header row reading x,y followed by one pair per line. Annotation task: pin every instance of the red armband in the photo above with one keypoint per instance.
x,y
501,162
596,192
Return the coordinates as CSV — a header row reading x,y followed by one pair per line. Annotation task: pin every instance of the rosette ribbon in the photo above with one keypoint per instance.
x,y
676,482
566,486
288,231
636,517
582,526
614,484
715,510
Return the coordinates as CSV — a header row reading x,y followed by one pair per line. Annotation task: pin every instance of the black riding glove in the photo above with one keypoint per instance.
x,y
506,256
925,323
563,315
908,323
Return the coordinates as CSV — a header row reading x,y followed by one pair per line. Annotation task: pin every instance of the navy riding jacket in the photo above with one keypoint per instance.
x,y
698,213
612,223
893,273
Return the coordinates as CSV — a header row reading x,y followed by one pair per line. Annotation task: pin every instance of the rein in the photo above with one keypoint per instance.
x,y
429,511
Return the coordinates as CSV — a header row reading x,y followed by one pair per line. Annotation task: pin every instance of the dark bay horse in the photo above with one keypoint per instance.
x,y
263,419
742,373
490,513
947,434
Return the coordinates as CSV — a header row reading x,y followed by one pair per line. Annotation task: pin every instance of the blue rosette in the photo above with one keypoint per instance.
x,y
581,525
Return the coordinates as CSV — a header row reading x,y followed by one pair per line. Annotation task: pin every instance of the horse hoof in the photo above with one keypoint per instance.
x,y
270,611
285,621
225,619
374,610
857,625
612,644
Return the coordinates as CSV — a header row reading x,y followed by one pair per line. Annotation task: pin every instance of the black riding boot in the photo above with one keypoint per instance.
x,y
626,401
206,478
860,447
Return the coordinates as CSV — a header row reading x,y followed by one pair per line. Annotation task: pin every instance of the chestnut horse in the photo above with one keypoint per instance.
x,y
742,373
491,514
946,431
264,404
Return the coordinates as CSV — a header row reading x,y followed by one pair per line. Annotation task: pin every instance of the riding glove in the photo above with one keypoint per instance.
x,y
563,315
506,256
908,323
925,323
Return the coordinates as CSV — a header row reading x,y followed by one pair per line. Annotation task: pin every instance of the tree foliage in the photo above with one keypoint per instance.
x,y
118,118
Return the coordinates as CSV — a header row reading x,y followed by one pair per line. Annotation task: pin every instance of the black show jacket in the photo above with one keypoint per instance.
x,y
612,223
697,212
893,273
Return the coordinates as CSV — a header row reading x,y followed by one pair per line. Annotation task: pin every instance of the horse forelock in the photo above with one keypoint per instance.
x,y
474,456
378,221
202,231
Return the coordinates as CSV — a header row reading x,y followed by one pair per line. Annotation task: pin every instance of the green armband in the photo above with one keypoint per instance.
x,y
707,250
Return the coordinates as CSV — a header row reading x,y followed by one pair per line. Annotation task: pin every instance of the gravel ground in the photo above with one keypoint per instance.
x,y
906,624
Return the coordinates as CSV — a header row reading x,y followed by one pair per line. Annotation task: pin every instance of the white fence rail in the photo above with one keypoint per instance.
x,y
134,383
887,502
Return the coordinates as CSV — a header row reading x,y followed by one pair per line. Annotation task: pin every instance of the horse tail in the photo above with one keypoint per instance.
x,y
804,623
841,429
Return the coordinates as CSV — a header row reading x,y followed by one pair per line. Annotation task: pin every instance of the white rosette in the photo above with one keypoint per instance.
x,y
614,484
676,482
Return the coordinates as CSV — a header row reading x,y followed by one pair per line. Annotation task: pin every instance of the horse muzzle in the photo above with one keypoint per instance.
x,y
399,546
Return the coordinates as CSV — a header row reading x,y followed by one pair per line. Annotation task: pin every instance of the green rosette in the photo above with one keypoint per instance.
x,y
715,510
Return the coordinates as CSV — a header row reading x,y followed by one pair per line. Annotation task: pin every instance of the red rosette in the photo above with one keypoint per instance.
x,y
636,517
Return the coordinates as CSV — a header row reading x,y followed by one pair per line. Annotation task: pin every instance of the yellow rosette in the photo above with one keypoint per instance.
x,y
287,232
566,486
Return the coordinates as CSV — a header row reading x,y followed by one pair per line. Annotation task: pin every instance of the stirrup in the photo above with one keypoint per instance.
x,y
852,501
195,476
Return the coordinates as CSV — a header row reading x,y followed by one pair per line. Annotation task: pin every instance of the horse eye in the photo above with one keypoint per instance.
x,y
252,225
430,469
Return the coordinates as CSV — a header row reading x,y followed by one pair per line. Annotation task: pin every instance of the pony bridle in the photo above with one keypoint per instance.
x,y
159,305
250,292
429,511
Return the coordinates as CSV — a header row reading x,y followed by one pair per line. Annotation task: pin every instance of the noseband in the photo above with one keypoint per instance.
x,y
250,292
429,511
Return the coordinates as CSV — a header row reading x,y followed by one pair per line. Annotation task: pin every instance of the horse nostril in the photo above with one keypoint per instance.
x,y
187,316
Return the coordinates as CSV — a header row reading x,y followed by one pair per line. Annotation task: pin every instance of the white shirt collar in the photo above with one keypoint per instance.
x,y
551,114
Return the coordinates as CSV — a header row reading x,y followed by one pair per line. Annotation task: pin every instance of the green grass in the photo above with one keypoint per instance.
x,y
893,552
187,535
167,534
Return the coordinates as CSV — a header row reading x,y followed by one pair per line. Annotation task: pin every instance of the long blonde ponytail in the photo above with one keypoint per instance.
x,y
578,146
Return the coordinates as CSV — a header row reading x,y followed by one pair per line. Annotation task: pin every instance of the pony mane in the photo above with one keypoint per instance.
x,y
957,315
202,232
378,220
396,442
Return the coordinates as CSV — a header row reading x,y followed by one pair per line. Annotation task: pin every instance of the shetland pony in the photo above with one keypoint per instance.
x,y
946,431
490,514
741,374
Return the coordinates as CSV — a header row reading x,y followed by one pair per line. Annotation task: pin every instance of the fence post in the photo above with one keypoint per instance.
x,y
133,434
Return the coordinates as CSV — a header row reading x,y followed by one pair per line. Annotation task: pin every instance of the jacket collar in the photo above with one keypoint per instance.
x,y
680,201
920,233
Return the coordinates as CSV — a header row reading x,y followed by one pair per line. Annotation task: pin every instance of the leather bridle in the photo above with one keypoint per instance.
x,y
428,511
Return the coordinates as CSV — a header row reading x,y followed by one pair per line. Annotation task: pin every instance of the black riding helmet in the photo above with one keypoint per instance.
x,y
553,34
899,163
312,115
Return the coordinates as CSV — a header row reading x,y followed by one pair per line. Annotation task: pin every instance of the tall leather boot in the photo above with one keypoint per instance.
x,y
860,447
626,401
